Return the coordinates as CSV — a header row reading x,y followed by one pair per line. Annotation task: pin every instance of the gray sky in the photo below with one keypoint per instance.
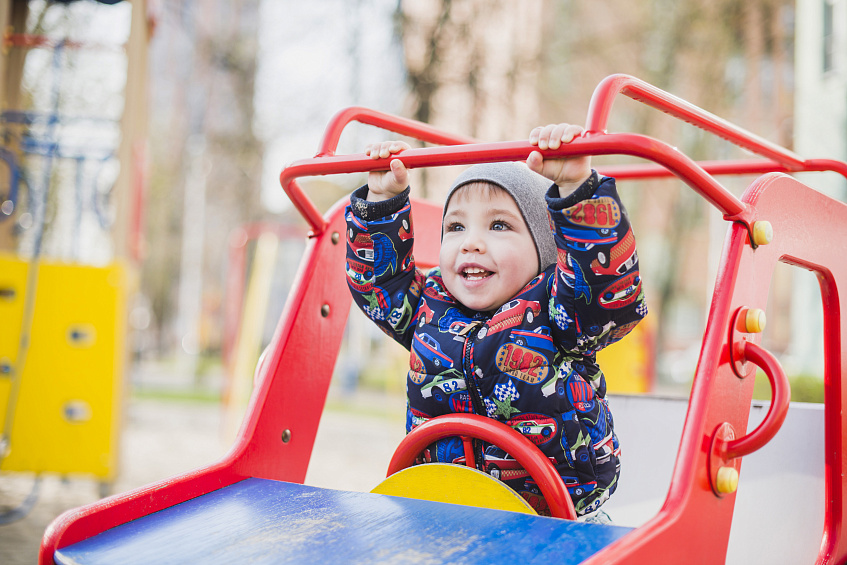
x,y
316,58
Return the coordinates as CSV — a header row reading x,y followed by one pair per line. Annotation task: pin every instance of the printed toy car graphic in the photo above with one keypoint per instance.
x,y
510,315
425,314
538,428
441,387
582,239
577,488
573,485
556,385
622,292
397,318
450,316
539,338
428,348
360,276
621,258
361,245
435,289
415,418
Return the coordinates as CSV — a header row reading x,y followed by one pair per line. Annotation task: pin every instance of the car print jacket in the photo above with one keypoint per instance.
x,y
531,364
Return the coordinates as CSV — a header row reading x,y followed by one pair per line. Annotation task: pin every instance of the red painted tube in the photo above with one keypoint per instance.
x,y
396,124
717,168
472,425
781,397
603,144
601,105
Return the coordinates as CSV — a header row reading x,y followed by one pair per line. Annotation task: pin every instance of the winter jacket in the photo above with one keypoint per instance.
x,y
531,364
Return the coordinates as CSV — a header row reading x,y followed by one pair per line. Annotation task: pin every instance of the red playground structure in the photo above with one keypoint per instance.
x,y
251,506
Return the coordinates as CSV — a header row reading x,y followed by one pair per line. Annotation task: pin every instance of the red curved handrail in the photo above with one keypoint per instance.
x,y
781,397
396,124
473,425
607,144
604,95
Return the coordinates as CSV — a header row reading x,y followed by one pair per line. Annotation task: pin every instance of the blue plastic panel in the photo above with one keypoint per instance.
x,y
261,521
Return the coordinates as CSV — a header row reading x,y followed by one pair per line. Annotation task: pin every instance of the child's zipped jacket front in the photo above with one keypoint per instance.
x,y
531,364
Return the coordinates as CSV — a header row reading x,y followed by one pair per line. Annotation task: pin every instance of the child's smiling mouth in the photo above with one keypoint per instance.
x,y
475,273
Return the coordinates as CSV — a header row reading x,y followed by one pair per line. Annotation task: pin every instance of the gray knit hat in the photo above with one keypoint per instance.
x,y
528,190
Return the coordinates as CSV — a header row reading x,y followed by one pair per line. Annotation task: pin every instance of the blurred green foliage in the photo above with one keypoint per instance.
x,y
804,388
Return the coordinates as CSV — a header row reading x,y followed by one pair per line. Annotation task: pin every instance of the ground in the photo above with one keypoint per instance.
x,y
164,437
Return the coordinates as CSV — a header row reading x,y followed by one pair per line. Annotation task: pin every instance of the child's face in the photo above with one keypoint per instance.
x,y
487,252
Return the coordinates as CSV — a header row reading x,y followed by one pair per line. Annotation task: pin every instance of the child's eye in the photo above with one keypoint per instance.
x,y
499,225
454,226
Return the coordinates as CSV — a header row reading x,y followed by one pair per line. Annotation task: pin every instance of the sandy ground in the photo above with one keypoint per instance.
x,y
162,438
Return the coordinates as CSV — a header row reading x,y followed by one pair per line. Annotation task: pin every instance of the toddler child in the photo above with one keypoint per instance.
x,y
533,279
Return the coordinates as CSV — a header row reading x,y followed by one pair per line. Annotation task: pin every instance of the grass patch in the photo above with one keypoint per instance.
x,y
187,395
804,388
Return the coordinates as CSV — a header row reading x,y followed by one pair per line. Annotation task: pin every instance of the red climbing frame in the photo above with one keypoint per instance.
x,y
277,435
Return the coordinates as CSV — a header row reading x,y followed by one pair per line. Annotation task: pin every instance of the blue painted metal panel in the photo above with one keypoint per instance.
x,y
261,521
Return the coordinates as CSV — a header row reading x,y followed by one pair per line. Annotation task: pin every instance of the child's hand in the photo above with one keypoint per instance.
x,y
383,185
567,172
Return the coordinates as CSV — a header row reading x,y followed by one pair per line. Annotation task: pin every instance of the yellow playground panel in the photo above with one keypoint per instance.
x,y
628,364
67,408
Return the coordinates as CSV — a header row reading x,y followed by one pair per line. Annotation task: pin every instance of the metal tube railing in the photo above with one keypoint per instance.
x,y
604,95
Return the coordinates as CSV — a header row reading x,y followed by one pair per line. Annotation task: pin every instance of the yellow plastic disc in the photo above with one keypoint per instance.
x,y
727,480
755,321
453,484
762,232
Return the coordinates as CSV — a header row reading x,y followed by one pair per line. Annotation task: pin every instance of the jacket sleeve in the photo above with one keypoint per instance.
x,y
380,267
597,295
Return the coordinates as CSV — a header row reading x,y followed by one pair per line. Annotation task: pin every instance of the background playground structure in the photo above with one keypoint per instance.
x,y
69,245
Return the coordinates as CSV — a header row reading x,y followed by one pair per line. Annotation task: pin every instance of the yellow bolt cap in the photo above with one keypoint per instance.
x,y
755,321
727,480
762,232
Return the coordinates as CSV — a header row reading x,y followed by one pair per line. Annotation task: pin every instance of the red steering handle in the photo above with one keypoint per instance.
x,y
479,427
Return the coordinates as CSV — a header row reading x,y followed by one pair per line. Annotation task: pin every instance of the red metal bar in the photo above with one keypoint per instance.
x,y
606,144
396,124
601,105
714,168
515,444
718,168
780,398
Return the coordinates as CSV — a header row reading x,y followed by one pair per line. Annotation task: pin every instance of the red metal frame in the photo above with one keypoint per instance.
x,y
277,435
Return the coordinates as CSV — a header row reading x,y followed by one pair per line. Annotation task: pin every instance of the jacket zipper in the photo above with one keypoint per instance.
x,y
473,389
